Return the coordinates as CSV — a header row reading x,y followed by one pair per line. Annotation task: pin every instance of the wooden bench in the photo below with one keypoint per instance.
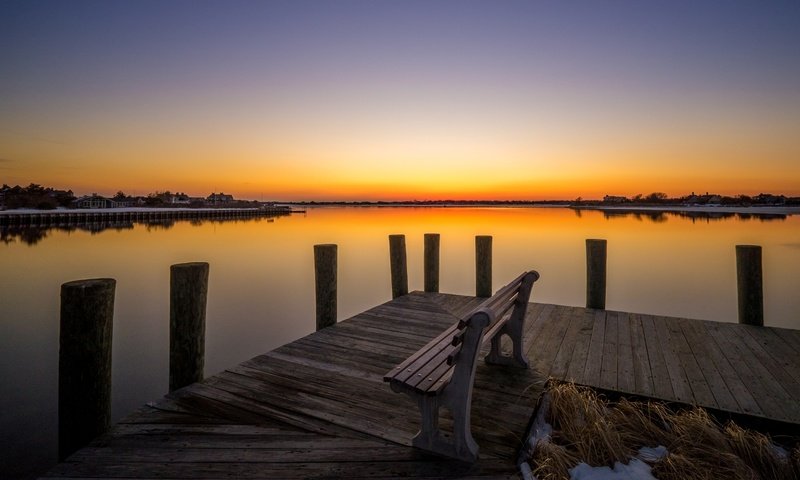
x,y
441,373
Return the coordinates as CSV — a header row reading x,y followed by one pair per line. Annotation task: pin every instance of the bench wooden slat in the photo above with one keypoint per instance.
x,y
428,350
439,379
425,369
504,293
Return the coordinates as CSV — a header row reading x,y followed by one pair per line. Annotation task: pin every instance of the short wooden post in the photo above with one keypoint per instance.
x,y
596,273
187,323
84,362
750,284
399,267
431,262
483,265
325,278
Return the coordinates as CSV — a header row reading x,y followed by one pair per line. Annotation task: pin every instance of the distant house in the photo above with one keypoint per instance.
x,y
769,199
707,199
94,201
180,199
614,199
219,199
123,202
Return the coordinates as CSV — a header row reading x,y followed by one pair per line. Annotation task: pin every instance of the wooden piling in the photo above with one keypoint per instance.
x,y
325,279
483,265
596,273
749,281
399,265
187,323
84,362
431,264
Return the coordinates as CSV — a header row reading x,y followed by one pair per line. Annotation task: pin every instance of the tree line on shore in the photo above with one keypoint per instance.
x,y
47,198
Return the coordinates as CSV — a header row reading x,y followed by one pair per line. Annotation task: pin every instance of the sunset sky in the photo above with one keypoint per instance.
x,y
366,100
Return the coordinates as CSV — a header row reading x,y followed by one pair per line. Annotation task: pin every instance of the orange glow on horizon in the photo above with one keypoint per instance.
x,y
495,168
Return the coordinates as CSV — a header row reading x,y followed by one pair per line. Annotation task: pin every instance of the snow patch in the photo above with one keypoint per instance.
x,y
635,470
652,455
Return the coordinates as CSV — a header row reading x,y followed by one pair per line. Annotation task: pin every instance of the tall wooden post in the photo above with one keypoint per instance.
x,y
84,362
595,273
750,284
187,323
483,265
325,278
431,262
399,266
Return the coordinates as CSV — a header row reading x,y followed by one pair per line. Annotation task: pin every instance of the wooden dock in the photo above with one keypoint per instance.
x,y
54,218
318,408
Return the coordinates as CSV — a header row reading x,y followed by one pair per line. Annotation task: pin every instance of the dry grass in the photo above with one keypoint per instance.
x,y
581,414
587,428
553,461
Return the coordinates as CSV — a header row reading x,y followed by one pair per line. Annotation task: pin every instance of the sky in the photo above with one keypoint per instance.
x,y
369,100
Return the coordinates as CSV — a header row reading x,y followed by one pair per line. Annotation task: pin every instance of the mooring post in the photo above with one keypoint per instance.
x,y
187,323
596,273
483,265
325,278
84,362
431,262
399,266
749,280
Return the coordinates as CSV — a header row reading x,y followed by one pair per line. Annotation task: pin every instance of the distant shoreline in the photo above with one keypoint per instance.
x,y
757,210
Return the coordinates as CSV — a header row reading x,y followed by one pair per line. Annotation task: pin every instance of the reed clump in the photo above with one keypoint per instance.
x,y
590,429
796,461
553,461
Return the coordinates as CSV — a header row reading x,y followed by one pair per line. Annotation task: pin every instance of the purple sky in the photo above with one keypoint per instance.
x,y
88,89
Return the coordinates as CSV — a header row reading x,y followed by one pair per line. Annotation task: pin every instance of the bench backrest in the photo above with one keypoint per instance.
x,y
431,368
486,320
514,295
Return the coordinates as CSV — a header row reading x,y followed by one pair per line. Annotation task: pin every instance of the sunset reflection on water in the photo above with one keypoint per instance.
x,y
261,291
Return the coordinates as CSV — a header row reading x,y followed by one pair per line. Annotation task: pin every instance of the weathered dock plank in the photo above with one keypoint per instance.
x,y
642,376
704,359
318,407
608,371
594,359
662,386
626,382
580,350
700,389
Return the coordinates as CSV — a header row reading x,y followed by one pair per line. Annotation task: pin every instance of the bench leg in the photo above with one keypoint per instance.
x,y
461,446
464,445
517,358
429,435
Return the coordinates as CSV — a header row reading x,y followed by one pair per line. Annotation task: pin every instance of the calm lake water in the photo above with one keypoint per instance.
x,y
261,290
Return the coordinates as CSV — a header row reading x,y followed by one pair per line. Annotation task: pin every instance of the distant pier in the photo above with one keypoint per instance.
x,y
47,218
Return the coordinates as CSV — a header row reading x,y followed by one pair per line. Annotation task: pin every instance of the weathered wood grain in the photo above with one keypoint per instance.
x,y
662,386
642,375
594,359
625,370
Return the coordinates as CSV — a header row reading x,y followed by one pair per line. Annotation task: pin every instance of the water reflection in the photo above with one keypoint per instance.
x,y
32,235
658,216
261,284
